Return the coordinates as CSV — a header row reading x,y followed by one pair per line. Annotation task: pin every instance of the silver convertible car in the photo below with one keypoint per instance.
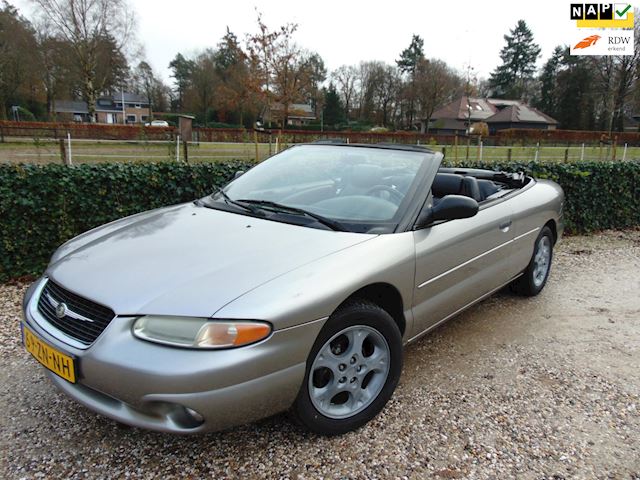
x,y
295,286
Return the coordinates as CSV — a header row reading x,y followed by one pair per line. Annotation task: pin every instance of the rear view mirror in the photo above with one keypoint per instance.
x,y
450,207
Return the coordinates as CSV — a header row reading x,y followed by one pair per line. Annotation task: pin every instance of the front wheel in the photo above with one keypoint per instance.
x,y
536,274
352,370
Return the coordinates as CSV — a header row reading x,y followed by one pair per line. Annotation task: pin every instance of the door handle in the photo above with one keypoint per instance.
x,y
505,226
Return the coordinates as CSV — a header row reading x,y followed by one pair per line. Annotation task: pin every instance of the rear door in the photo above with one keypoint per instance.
x,y
459,261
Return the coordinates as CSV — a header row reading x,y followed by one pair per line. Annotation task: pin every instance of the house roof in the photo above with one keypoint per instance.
x,y
296,110
520,113
129,98
477,109
71,106
491,110
103,104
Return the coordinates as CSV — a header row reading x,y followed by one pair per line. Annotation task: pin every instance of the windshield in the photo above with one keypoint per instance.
x,y
342,183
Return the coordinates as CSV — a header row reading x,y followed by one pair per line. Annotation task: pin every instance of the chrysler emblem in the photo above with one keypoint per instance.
x,y
61,310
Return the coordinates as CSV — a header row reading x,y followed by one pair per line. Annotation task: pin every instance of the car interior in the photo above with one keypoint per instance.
x,y
371,191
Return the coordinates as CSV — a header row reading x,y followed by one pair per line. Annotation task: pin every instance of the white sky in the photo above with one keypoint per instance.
x,y
348,31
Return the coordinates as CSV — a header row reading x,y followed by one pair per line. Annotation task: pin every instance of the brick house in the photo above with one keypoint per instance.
x,y
498,114
299,114
109,109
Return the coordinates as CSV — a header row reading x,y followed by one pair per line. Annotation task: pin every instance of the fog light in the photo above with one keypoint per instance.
x,y
193,414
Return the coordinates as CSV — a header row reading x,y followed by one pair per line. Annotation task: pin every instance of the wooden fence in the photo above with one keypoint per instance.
x,y
515,137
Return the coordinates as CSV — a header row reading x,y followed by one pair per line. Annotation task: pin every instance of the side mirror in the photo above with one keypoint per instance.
x,y
239,173
450,207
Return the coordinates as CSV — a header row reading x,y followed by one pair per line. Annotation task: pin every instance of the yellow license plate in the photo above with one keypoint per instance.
x,y
56,361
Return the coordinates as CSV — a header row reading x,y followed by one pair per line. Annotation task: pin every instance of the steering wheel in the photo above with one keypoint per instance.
x,y
394,195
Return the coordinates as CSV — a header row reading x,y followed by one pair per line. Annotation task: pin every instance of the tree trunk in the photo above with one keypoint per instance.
x,y
285,115
90,93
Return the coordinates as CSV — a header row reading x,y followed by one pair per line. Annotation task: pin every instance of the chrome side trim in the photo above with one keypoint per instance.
x,y
438,277
526,233
479,299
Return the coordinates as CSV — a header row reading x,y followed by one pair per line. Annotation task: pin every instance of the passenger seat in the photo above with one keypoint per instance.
x,y
454,184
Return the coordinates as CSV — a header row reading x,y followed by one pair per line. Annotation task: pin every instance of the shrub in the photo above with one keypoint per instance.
x,y
43,206
599,195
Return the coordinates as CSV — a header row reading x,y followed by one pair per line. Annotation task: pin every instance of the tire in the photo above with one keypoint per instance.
x,y
340,394
535,276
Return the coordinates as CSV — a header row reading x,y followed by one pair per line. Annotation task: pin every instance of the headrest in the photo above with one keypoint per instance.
x,y
364,175
446,184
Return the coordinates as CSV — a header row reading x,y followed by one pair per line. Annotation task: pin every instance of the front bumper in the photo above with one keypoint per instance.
x,y
178,390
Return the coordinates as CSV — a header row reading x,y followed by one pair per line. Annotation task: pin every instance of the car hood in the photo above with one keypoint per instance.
x,y
186,260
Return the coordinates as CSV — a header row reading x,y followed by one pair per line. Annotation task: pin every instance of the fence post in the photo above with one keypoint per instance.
x,y
614,147
69,157
535,158
509,153
63,152
177,148
624,153
601,147
185,152
566,155
468,145
455,146
1,134
255,140
444,151
582,153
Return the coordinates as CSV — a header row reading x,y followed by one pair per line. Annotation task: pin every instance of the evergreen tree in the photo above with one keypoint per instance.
x,y
519,56
408,64
576,106
547,101
333,109
411,55
182,71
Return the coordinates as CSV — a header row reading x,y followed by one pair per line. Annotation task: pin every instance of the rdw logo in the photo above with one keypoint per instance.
x,y
588,42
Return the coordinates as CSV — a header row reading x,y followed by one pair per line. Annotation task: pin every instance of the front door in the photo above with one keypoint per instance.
x,y
459,261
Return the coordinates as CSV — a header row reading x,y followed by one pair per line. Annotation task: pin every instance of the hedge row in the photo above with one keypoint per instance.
x,y
89,131
43,206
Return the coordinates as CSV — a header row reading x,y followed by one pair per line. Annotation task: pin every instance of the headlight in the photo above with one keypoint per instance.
x,y
192,332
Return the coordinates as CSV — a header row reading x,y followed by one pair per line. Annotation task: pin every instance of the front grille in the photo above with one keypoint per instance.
x,y
81,329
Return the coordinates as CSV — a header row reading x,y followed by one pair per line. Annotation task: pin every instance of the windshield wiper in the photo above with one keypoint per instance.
x,y
237,203
332,224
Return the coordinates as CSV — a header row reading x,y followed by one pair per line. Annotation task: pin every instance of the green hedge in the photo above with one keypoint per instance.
x,y
599,195
43,206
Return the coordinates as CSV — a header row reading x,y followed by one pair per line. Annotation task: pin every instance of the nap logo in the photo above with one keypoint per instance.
x,y
602,15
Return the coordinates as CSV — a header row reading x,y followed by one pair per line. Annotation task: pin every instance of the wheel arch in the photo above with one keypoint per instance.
x,y
554,229
384,295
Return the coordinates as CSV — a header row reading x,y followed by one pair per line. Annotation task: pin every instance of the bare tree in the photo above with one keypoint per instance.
x,y
388,83
435,84
284,70
345,79
85,24
146,83
204,83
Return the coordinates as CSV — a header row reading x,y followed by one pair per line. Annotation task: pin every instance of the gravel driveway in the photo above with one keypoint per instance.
x,y
547,387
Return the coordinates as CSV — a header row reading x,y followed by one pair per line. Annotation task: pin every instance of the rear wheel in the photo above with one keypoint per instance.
x,y
352,370
536,274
